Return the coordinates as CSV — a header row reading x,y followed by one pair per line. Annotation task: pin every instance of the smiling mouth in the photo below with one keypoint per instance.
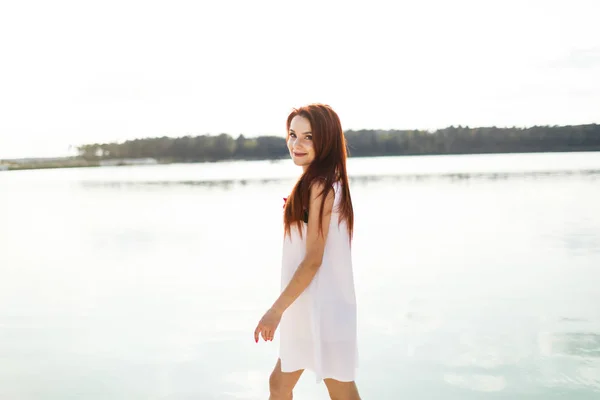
x,y
299,154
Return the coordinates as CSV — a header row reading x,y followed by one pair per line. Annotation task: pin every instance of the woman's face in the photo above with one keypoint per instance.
x,y
300,143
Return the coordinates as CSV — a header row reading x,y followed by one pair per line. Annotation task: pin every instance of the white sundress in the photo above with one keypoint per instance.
x,y
318,331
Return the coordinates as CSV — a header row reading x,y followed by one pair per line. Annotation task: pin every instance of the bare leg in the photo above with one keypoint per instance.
x,y
342,390
281,384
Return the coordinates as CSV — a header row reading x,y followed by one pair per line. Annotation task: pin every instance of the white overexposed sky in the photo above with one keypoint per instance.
x,y
74,72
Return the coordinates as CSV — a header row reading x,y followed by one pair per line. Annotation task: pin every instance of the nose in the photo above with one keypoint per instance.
x,y
295,144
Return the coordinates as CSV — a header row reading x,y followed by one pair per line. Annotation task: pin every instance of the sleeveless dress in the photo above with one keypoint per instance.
x,y
318,331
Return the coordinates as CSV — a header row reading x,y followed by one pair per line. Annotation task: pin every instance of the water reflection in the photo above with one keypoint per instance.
x,y
492,363
228,184
578,344
478,382
582,242
571,360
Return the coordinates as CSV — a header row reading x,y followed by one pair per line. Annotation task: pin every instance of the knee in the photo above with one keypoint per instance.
x,y
277,389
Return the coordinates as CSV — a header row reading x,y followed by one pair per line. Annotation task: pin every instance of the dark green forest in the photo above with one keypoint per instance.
x,y
361,143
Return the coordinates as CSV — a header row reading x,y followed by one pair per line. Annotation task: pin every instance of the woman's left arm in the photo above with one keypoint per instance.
x,y
315,246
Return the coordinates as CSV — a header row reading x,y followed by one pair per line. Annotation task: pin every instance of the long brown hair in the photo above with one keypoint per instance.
x,y
328,166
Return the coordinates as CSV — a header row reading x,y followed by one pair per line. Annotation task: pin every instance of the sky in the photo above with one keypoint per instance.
x,y
77,72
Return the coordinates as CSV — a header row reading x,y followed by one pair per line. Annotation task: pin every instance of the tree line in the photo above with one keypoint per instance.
x,y
361,143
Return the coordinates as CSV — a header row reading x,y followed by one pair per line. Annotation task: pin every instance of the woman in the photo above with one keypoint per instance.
x,y
316,309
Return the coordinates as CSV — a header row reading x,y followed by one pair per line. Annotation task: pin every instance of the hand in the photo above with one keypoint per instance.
x,y
268,325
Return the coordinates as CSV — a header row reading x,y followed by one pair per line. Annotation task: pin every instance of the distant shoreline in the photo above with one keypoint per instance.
x,y
80,162
360,143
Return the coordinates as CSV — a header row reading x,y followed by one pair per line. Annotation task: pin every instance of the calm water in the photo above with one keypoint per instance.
x,y
477,277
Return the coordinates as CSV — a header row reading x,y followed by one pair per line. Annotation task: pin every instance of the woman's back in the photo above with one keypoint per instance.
x,y
318,331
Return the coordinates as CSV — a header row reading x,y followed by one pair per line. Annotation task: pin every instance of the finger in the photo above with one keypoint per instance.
x,y
269,335
263,334
256,331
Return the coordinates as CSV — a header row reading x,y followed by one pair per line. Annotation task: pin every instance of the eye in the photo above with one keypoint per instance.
x,y
292,135
309,137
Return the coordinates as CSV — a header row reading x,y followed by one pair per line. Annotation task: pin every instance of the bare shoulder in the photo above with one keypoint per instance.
x,y
317,188
319,217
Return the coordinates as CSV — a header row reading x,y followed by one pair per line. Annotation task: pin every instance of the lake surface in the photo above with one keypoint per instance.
x,y
477,277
